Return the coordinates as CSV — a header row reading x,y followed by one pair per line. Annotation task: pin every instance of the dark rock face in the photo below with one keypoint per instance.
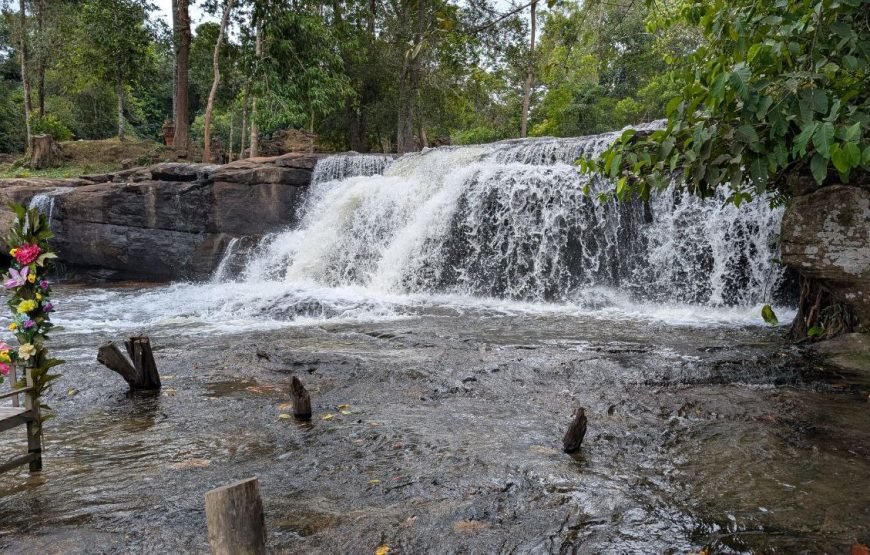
x,y
826,236
170,221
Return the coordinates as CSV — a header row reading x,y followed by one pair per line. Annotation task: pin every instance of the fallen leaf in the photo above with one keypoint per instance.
x,y
345,412
541,450
190,464
72,392
374,482
328,417
167,377
382,550
284,416
285,406
409,521
343,407
169,392
860,549
374,424
469,526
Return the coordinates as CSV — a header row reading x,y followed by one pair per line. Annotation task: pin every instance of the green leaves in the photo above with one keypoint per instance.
x,y
819,168
823,137
768,315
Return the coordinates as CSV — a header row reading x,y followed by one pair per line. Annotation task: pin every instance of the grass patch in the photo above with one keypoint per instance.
x,y
9,170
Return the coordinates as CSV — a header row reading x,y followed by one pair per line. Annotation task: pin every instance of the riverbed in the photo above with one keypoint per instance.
x,y
437,429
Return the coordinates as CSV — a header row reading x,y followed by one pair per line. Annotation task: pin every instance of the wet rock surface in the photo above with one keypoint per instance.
x,y
165,222
442,434
826,236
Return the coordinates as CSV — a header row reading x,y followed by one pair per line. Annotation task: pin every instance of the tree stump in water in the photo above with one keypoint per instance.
x,y
142,373
301,400
235,519
576,431
44,152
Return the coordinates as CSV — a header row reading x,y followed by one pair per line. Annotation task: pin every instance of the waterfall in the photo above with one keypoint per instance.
x,y
510,220
44,202
342,166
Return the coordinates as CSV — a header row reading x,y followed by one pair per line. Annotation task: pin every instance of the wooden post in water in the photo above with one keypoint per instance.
x,y
34,426
575,433
301,400
142,373
236,524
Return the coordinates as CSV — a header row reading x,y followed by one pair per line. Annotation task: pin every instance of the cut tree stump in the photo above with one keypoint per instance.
x,y
44,152
142,373
301,400
235,519
575,433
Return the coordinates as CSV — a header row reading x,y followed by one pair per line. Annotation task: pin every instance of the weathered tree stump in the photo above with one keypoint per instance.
x,y
575,433
142,373
301,400
44,152
235,519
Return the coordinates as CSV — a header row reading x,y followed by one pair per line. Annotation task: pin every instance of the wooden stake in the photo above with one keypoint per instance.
x,y
575,433
34,427
235,518
142,373
301,400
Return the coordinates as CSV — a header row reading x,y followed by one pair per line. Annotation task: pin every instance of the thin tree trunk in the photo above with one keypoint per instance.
x,y
255,132
527,88
182,61
119,90
230,147
209,108
244,125
174,63
40,68
25,80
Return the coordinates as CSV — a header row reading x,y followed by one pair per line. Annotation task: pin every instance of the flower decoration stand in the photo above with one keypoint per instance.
x,y
14,416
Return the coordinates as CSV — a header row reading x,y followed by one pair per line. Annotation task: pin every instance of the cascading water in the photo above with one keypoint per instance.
x,y
499,227
44,202
511,220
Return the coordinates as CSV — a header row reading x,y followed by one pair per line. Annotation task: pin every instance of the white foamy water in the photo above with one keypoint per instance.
x,y
494,229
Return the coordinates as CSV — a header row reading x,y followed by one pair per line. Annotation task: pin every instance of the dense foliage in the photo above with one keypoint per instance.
x,y
777,89
362,75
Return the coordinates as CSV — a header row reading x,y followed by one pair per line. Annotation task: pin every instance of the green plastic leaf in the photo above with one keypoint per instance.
x,y
769,315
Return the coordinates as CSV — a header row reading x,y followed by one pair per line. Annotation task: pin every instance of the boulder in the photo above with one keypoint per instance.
x,y
166,222
826,236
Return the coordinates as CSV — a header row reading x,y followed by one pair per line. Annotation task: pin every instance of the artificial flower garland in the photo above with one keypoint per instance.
x,y
29,293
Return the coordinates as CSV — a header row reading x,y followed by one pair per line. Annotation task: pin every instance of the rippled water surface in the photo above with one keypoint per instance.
x,y
704,430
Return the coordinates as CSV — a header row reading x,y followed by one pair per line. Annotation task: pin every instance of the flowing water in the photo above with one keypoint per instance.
x,y
448,311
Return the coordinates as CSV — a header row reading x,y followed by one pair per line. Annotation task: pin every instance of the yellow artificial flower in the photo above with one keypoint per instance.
x,y
4,356
12,252
12,326
39,296
31,278
26,306
26,351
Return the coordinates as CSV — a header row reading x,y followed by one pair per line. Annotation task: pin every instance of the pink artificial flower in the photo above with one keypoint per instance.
x,y
25,254
16,278
4,368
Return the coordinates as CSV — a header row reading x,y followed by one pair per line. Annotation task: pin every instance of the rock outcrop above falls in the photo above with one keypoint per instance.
x,y
826,236
165,222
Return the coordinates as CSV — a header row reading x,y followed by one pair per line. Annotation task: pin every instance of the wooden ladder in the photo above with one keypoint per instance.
x,y
12,416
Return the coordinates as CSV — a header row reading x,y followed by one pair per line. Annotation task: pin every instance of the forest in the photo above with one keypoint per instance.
x,y
369,76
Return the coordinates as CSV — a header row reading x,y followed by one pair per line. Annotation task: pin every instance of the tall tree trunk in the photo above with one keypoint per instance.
x,y
206,151
244,125
182,63
255,131
119,90
174,63
40,66
405,140
230,147
25,80
527,88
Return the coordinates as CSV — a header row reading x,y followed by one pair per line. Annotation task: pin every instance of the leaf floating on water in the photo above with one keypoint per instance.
x,y
769,315
345,412
328,417
285,406
284,416
343,407
374,482
382,550
72,392
169,392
